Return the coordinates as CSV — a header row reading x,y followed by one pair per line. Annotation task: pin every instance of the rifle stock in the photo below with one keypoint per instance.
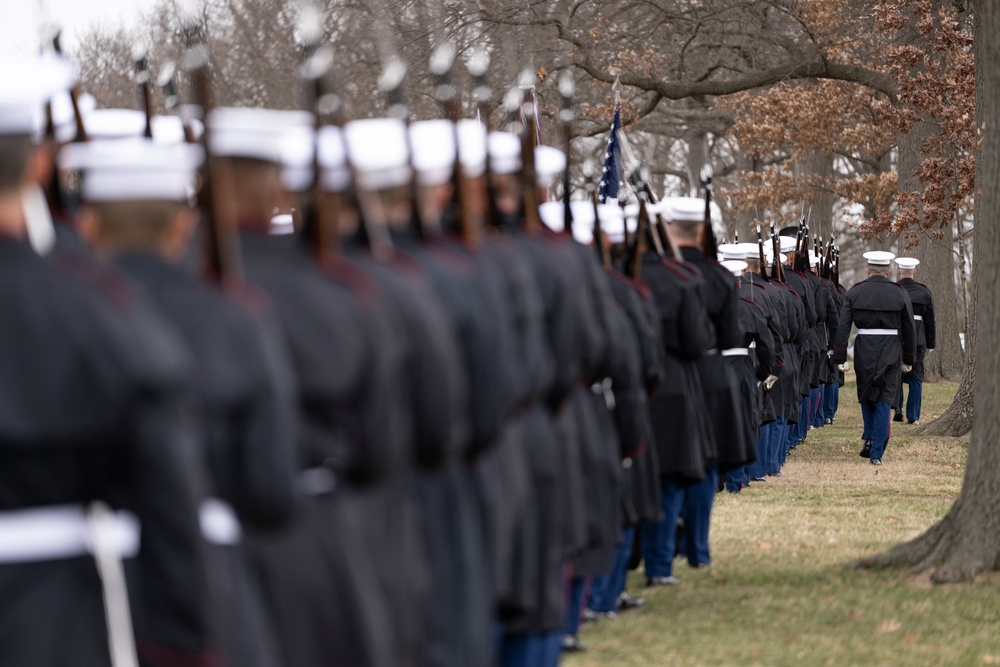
x,y
478,66
761,255
141,57
711,245
320,210
221,260
776,268
172,99
447,95
74,94
529,176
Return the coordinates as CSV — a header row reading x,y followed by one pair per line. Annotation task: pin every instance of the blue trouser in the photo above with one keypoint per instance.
x,y
797,431
914,399
606,589
531,649
659,540
877,418
802,428
818,409
791,433
736,479
551,648
698,501
577,589
758,468
776,450
830,398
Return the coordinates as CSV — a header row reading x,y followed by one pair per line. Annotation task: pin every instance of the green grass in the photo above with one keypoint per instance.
x,y
780,592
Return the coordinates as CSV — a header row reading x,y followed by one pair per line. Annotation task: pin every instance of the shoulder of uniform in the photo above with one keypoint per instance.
x,y
353,277
248,297
671,266
102,278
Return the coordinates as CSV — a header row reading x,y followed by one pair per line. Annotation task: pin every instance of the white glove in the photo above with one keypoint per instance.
x,y
829,354
844,367
907,369
769,382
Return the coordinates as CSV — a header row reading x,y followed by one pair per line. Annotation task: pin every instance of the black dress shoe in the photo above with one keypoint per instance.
x,y
866,450
758,479
626,601
570,644
876,462
662,581
898,417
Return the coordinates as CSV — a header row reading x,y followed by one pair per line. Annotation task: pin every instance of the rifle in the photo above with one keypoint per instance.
x,y
140,54
776,268
658,237
644,233
446,93
59,198
829,258
529,178
172,98
796,260
760,255
221,260
320,223
478,66
803,260
566,90
711,245
603,254
391,84
74,93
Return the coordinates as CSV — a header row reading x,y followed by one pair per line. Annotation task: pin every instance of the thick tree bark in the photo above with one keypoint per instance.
x,y
967,541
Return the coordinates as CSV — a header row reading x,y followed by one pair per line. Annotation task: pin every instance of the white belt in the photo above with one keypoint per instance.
x,y
60,531
736,352
918,318
878,332
219,523
711,353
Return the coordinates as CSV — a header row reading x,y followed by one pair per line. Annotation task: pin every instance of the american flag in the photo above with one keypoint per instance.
x,y
611,174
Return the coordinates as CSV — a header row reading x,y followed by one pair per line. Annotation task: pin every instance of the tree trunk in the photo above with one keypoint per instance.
x,y
937,271
967,541
697,157
937,264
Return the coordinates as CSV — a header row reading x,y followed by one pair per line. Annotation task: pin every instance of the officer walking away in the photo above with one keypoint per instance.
x,y
245,397
885,341
923,319
94,418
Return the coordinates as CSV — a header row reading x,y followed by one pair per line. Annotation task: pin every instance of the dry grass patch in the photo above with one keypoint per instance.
x,y
779,591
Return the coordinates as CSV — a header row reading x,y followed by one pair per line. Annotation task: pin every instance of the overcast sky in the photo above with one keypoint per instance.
x,y
21,20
